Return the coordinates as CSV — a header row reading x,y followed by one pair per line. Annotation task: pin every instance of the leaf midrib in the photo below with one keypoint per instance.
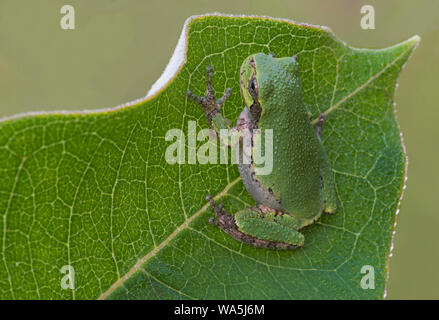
x,y
152,253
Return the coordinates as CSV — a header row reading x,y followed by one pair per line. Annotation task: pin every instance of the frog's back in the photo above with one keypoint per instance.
x,y
296,175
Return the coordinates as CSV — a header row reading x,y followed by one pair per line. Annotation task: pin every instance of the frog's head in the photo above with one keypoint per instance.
x,y
261,74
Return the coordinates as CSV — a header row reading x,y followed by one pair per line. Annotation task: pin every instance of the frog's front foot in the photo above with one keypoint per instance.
x,y
210,105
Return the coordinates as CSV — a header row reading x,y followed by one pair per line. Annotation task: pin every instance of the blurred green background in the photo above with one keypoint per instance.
x,y
119,48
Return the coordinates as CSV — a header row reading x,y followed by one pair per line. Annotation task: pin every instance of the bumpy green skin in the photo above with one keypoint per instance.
x,y
299,156
301,178
271,227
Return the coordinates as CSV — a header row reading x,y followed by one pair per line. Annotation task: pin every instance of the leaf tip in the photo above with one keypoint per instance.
x,y
412,42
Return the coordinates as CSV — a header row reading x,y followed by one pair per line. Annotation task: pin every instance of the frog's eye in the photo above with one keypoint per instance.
x,y
252,62
253,88
253,84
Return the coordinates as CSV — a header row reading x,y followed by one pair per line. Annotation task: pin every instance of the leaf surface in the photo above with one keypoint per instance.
x,y
93,190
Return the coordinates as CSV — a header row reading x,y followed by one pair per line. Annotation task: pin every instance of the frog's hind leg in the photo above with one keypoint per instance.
x,y
270,225
227,223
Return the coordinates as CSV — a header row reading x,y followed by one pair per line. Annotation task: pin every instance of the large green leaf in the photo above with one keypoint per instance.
x,y
93,190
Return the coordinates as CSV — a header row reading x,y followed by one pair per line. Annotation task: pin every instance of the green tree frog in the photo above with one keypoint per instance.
x,y
300,186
